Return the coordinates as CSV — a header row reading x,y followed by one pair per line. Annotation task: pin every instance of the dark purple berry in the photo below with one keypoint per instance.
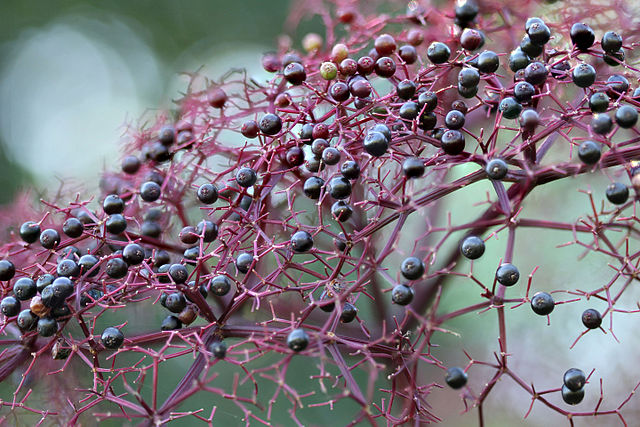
x,y
112,338
30,231
49,238
472,247
456,378
542,303
507,274
591,318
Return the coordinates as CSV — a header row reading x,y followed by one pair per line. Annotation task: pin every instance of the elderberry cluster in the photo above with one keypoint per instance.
x,y
266,222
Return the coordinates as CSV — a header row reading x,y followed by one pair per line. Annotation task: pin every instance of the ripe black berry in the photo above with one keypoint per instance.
x,y
298,340
315,164
582,36
73,227
376,144
47,326
599,102
611,42
339,91
113,204
313,187
7,270
301,241
601,123
133,254
331,156
246,177
472,247
542,303
150,191
574,379
349,312
591,318
49,238
130,165
178,273
626,116
218,349
86,263
496,169
529,48
366,65
402,294
116,224
112,338
341,211
409,110
359,87
208,230
44,281
25,288
507,274
170,323
518,60
589,152
385,67
56,293
116,268
428,101
270,124
406,89
614,58
428,121
539,33
488,62
535,73
438,53
413,167
151,229
30,231
207,193
10,306
412,268
571,397
68,268
510,108
529,119
468,77
456,378
319,145
243,262
220,285
523,91
408,54
453,142
454,120
294,156
466,11
617,193
26,320
175,302
294,73
584,75
339,188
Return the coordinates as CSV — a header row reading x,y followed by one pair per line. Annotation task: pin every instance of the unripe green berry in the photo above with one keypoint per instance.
x,y
328,70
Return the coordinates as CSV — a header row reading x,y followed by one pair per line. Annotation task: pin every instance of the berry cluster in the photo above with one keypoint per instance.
x,y
268,222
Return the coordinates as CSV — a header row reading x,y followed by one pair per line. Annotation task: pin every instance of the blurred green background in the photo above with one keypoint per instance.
x,y
74,72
